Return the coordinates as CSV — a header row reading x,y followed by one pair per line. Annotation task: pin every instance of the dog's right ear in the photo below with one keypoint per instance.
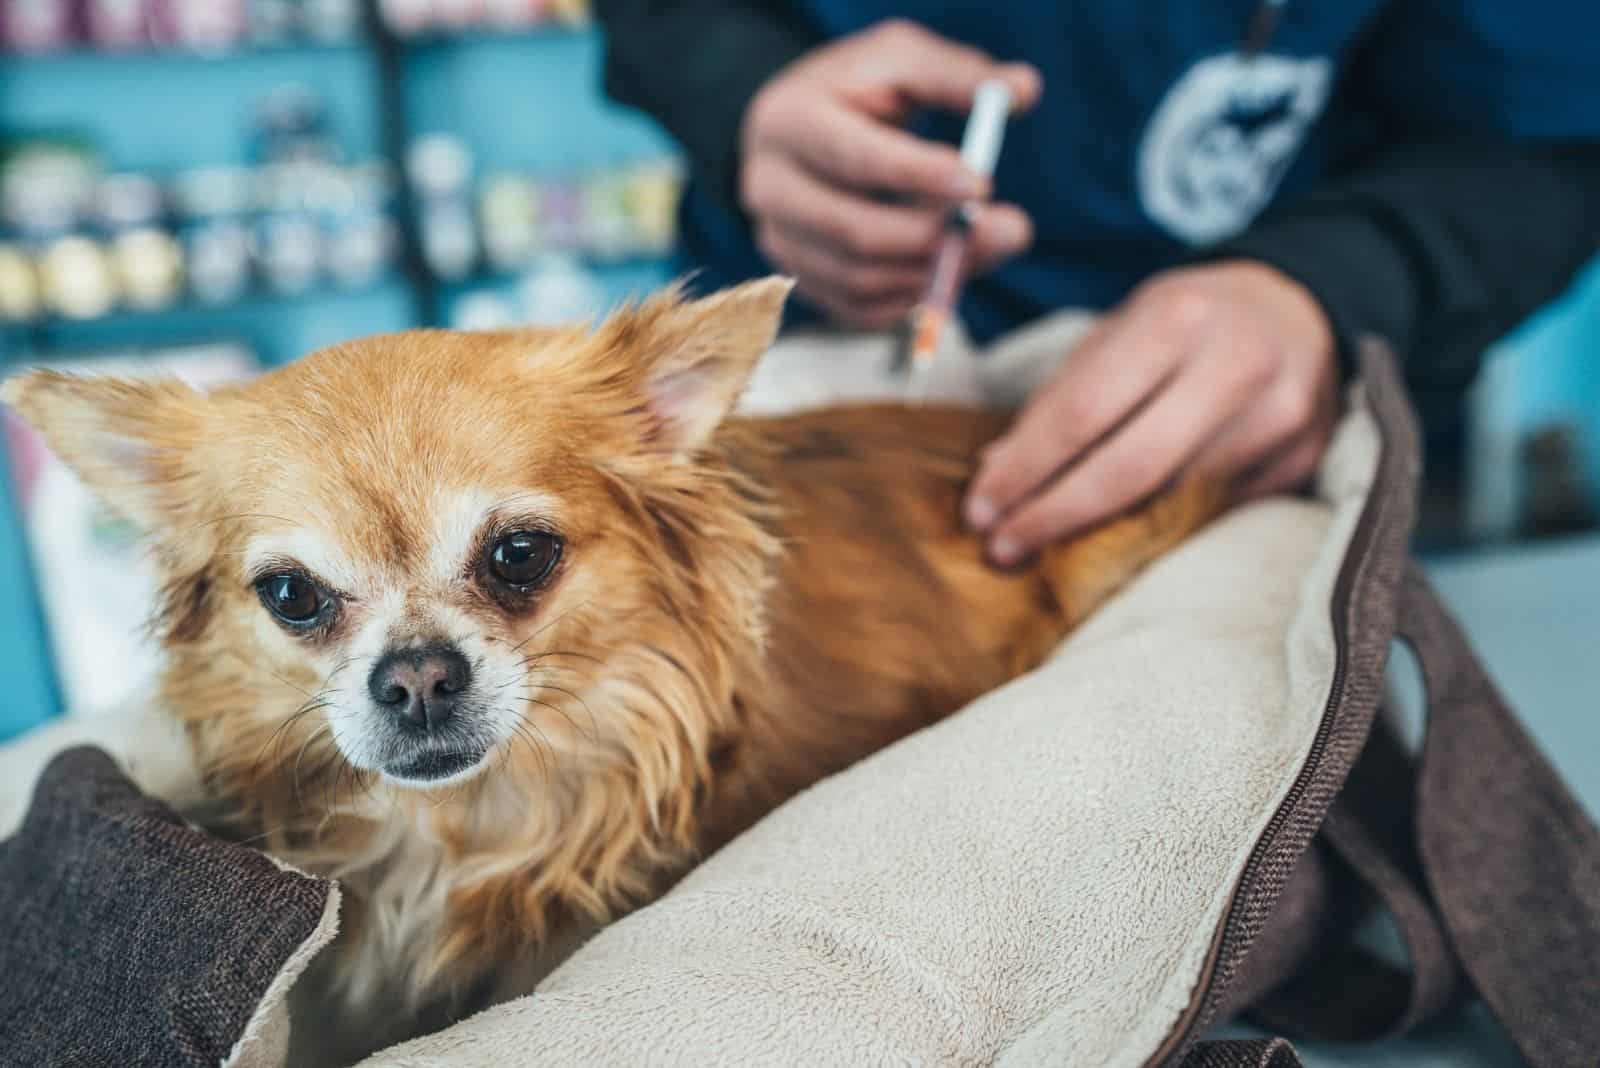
x,y
132,442
681,364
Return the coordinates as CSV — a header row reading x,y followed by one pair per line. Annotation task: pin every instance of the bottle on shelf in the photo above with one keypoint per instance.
x,y
440,168
417,18
34,27
214,204
145,257
210,26
80,244
117,25
20,300
559,289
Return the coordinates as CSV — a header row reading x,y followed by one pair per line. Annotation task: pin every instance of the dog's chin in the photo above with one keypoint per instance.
x,y
431,768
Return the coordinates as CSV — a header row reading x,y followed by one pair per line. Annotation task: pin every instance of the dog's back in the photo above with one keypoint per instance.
x,y
885,616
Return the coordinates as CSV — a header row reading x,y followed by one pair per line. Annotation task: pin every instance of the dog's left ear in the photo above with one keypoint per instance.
x,y
131,441
694,358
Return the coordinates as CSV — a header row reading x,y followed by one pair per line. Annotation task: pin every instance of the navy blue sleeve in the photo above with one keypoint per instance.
x,y
1485,200
1528,70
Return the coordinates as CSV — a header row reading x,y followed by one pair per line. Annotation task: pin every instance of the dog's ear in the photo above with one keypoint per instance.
x,y
688,361
132,442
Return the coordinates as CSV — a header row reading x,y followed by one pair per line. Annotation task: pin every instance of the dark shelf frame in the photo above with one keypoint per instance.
x,y
395,136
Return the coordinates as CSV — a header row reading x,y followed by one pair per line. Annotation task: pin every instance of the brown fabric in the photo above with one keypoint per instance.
x,y
1365,612
129,937
1244,1053
1485,860
1319,907
1350,995
1481,856
1512,859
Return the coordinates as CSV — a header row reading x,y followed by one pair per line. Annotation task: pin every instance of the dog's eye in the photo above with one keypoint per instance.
x,y
294,599
524,558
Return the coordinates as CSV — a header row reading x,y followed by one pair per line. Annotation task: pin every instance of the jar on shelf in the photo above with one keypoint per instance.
x,y
214,204
509,209
20,301
286,239
483,310
199,25
457,15
76,280
561,208
358,232
440,167
406,18
272,22
118,24
145,257
571,12
36,25
512,15
148,266
654,190
330,21
47,187
606,231
559,289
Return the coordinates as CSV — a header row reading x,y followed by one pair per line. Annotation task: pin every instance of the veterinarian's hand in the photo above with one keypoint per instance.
x,y
1226,368
844,199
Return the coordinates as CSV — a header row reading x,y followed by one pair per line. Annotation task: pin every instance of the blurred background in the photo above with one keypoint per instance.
x,y
210,187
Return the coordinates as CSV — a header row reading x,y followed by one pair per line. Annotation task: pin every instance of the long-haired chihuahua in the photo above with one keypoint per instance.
x,y
504,630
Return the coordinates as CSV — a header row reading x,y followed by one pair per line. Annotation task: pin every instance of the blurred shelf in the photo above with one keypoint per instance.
x,y
277,327
143,53
254,298
441,39
430,39
589,261
508,295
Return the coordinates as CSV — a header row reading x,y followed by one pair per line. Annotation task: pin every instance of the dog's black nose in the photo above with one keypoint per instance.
x,y
421,686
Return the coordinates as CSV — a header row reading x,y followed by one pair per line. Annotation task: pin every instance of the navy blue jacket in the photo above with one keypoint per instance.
x,y
1428,167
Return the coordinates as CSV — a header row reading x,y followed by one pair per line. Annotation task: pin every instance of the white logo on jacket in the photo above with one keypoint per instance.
x,y
1222,138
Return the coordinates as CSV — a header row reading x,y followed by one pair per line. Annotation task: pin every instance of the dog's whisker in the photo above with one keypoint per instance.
x,y
280,735
266,671
546,704
301,756
539,748
563,652
519,646
594,724
238,516
527,774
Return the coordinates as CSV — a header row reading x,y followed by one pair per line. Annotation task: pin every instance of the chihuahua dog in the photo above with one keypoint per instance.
x,y
504,630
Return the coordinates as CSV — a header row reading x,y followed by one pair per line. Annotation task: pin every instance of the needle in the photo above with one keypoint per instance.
x,y
980,148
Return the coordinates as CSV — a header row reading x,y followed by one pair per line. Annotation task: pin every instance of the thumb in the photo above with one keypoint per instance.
x,y
910,64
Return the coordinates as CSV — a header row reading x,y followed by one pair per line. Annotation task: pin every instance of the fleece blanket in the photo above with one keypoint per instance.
x,y
1037,880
